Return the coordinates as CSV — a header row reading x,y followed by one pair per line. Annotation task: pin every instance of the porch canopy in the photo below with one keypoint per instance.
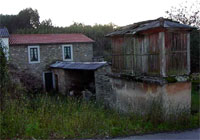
x,y
78,65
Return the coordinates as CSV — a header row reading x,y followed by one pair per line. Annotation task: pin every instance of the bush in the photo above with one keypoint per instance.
x,y
4,78
195,50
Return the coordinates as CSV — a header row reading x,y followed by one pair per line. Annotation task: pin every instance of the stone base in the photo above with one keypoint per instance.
x,y
142,97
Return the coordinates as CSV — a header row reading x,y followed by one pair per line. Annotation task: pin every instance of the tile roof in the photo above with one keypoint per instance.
x,y
16,39
149,24
78,65
4,32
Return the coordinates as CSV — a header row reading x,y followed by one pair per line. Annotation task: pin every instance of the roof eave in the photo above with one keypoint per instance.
x,y
12,44
4,36
143,26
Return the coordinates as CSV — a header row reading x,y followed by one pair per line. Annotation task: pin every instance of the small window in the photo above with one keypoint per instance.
x,y
34,54
67,52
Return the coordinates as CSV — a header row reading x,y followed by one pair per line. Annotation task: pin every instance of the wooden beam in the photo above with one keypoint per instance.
x,y
188,53
162,54
145,56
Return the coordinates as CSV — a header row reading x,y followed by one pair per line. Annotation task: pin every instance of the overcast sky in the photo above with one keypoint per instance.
x,y
89,12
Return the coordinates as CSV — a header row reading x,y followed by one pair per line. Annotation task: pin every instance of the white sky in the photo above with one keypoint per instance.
x,y
89,12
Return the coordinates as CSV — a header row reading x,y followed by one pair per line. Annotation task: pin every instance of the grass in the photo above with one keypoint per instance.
x,y
195,98
45,117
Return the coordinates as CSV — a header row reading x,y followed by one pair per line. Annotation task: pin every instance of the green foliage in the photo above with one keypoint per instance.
x,y
47,23
195,98
45,117
195,50
4,77
28,18
3,67
25,19
171,79
9,21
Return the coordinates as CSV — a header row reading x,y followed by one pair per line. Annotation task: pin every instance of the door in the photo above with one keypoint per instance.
x,y
48,81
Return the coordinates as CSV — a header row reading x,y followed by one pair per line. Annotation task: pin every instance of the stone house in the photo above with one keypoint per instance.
x,y
150,66
33,54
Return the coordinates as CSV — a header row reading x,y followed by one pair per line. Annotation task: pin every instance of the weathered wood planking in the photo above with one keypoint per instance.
x,y
176,53
161,53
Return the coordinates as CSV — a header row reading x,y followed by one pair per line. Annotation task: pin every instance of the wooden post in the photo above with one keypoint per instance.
x,y
188,53
162,54
144,55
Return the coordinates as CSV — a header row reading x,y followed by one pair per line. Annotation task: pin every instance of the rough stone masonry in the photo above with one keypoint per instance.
x,y
142,98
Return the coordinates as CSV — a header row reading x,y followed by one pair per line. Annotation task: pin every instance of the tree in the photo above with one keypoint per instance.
x,y
28,18
9,21
185,14
46,23
25,19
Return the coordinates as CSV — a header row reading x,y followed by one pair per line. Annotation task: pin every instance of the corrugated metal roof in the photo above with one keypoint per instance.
x,y
149,24
78,65
20,39
4,32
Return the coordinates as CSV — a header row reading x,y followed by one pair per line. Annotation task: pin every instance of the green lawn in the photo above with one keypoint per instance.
x,y
44,117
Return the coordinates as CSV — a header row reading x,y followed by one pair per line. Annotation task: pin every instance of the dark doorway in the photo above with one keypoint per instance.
x,y
48,81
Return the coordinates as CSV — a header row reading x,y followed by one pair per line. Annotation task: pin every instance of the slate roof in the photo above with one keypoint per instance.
x,y
149,24
16,39
78,65
4,32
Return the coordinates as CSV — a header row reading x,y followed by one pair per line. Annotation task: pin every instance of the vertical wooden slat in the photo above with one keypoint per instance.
x,y
162,54
153,53
188,53
145,59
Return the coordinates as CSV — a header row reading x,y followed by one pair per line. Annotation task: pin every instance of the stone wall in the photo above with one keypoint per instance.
x,y
61,80
142,97
74,80
104,90
82,52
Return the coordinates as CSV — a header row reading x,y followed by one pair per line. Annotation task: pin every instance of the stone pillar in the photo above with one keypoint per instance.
x,y
103,86
61,80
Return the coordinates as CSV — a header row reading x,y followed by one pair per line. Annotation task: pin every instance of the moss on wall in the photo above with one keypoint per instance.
x,y
171,79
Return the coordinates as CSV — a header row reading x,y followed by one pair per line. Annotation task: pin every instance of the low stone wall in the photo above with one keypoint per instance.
x,y
142,97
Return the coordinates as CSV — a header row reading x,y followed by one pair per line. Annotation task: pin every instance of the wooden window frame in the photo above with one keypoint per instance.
x,y
29,54
71,51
